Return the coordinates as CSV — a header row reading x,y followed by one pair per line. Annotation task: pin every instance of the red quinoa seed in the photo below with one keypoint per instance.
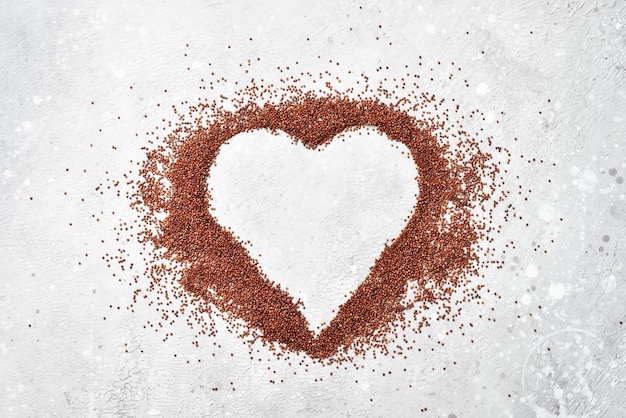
x,y
200,270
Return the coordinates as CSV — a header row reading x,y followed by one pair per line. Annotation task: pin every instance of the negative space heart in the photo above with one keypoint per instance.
x,y
319,219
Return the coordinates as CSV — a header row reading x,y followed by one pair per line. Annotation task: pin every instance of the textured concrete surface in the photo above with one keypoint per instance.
x,y
556,68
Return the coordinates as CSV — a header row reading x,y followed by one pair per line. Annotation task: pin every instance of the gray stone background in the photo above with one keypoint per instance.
x,y
60,358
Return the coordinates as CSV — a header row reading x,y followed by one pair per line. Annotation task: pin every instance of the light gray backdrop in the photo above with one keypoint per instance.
x,y
556,68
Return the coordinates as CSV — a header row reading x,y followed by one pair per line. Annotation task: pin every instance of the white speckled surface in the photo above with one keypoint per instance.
x,y
58,357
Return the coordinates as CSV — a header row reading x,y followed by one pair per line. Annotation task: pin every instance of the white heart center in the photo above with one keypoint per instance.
x,y
318,219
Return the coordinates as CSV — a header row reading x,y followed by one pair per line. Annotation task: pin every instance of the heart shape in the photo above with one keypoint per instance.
x,y
320,219
434,252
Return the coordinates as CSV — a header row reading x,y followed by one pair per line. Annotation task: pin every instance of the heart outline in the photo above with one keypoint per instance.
x,y
376,303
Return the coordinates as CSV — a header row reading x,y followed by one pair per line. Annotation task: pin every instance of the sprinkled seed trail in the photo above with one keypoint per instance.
x,y
436,254
422,304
